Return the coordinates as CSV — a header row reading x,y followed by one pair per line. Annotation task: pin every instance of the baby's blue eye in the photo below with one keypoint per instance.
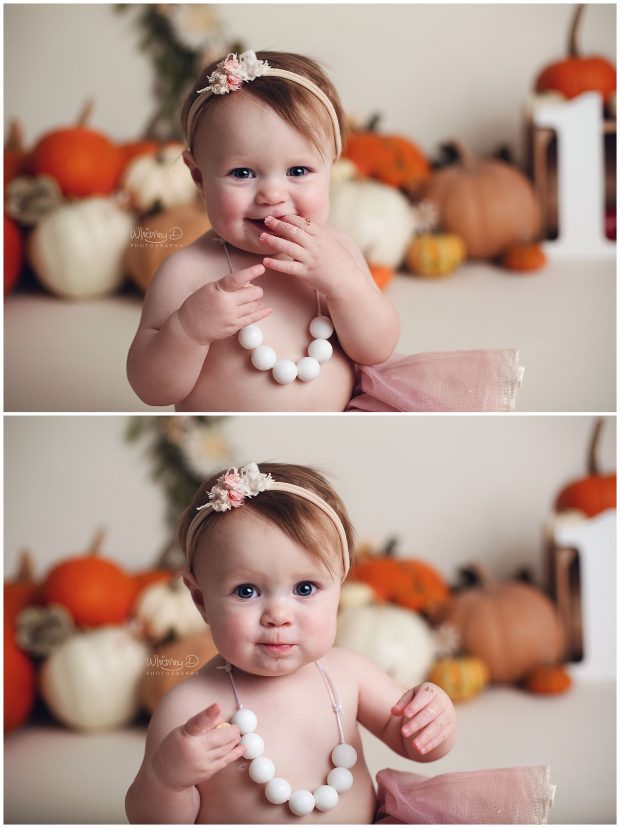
x,y
245,591
298,172
242,172
305,589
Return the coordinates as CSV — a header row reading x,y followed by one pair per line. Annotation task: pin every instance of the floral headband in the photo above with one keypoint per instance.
x,y
232,72
234,486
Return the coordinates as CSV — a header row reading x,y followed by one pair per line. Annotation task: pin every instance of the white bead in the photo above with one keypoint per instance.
x,y
308,369
261,770
284,371
245,720
250,337
320,349
344,756
254,745
301,802
325,798
340,778
264,358
278,790
321,327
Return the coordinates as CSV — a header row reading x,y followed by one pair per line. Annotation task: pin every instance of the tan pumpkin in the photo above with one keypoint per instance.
x,y
461,678
172,663
157,237
435,254
487,202
511,626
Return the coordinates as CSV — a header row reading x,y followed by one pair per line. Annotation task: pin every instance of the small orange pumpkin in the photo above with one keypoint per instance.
x,y
13,254
438,254
22,591
548,679
96,591
461,678
575,74
525,257
594,493
19,682
83,161
381,274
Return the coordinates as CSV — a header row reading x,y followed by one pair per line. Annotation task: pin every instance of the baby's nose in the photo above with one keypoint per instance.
x,y
276,614
271,191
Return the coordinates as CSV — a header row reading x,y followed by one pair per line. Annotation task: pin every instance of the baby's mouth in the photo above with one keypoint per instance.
x,y
259,224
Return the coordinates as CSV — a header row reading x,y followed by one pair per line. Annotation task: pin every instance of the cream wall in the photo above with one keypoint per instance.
x,y
454,489
435,71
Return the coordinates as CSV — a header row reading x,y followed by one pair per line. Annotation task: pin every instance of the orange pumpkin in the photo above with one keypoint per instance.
x,y
594,493
96,591
381,274
510,625
548,679
391,159
22,591
13,254
488,203
83,161
19,682
407,582
575,74
525,257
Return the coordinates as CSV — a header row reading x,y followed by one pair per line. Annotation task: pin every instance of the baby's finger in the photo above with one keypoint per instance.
x,y
255,316
250,293
280,245
399,708
434,734
422,696
203,722
240,278
300,223
290,226
285,266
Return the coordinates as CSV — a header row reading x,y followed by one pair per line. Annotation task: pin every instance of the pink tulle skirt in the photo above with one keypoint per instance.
x,y
448,381
486,797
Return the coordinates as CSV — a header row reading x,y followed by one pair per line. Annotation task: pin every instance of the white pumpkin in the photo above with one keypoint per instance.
x,y
378,218
168,608
397,640
91,681
159,178
77,250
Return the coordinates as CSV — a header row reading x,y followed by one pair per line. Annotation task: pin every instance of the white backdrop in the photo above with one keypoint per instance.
x,y
454,489
435,71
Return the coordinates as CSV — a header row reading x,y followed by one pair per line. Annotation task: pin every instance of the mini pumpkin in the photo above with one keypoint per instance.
x,y
168,609
381,274
510,625
488,203
548,679
461,678
594,493
524,257
95,590
159,179
576,74
435,254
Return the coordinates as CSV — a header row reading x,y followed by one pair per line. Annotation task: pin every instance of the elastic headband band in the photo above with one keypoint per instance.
x,y
232,72
233,487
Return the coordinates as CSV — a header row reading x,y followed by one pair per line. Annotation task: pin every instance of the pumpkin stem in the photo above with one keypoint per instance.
x,y
25,567
465,155
593,467
573,51
390,547
373,123
97,542
15,138
482,574
85,112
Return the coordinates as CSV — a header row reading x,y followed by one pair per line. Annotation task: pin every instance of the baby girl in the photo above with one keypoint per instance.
x,y
273,309
268,731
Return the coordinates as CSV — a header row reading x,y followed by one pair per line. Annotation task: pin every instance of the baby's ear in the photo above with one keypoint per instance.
x,y
196,592
194,169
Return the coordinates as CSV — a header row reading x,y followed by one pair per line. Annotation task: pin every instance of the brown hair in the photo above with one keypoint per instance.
x,y
292,102
298,518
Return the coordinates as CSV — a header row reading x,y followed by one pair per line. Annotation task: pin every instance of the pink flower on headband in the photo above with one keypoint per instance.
x,y
232,488
231,72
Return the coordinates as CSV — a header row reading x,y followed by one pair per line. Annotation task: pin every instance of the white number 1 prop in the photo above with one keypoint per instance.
x,y
581,178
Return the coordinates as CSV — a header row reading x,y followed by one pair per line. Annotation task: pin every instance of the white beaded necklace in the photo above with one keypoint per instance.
x,y
263,771
284,371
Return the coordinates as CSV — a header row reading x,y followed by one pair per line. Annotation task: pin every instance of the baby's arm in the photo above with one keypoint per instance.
x,y
418,723
329,261
179,754
181,317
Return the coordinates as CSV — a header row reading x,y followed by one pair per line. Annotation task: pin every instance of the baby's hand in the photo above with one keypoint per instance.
x,y
196,751
428,715
220,309
318,257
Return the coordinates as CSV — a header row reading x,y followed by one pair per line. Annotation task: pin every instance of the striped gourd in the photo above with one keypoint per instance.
x,y
461,678
435,255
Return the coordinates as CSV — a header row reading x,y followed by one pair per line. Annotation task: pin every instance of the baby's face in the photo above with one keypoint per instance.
x,y
271,605
254,165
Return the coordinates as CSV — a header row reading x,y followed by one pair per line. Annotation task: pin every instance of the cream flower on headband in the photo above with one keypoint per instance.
x,y
231,73
232,488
